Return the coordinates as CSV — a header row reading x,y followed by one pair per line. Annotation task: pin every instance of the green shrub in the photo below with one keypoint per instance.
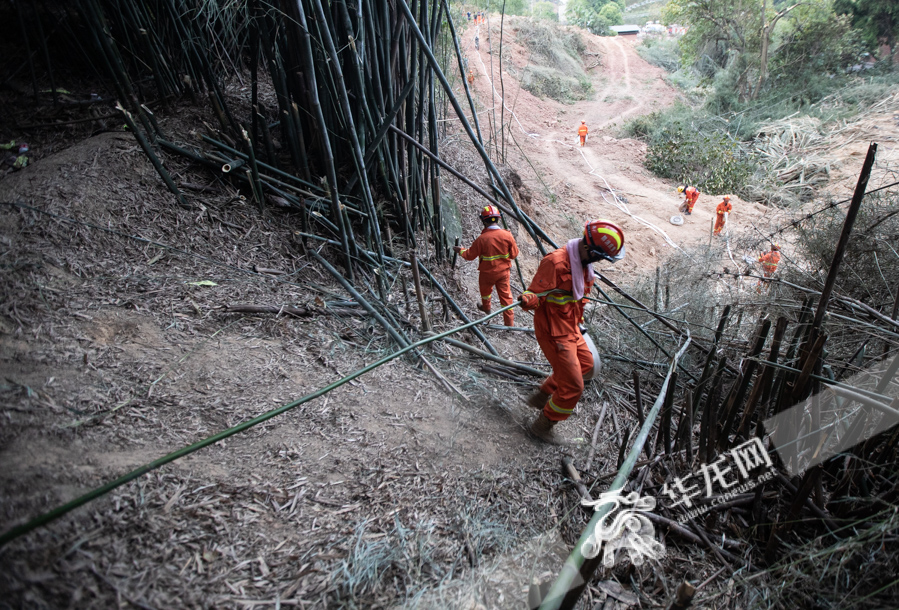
x,y
549,82
661,52
708,159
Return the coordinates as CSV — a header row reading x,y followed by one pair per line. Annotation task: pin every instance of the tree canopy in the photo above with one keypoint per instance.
x,y
878,20
595,15
755,39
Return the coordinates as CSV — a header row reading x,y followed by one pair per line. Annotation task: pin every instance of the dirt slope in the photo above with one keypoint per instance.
x,y
606,178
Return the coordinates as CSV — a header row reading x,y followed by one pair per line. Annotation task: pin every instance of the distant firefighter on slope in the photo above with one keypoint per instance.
x,y
721,214
691,196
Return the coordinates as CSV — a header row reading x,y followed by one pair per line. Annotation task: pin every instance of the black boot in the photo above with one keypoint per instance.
x,y
538,399
542,428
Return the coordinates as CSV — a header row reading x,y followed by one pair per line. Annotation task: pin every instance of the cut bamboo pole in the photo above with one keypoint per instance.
x,y
596,429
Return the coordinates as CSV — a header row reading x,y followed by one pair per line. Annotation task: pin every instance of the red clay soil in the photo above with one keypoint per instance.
x,y
580,182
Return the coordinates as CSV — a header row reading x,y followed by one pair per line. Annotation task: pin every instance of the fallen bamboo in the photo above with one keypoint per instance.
x,y
297,312
498,359
680,530
152,156
59,511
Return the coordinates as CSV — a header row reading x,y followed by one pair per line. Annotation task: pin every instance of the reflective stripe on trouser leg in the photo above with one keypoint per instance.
x,y
486,280
571,359
504,292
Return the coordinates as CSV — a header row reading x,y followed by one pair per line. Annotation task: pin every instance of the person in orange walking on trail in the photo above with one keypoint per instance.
x,y
582,132
495,247
691,196
471,77
558,316
721,213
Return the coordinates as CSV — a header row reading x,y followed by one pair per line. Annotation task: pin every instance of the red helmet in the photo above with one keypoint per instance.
x,y
489,211
606,239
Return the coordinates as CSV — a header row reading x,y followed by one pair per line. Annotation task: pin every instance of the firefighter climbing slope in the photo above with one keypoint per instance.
x,y
558,316
721,214
496,248
582,132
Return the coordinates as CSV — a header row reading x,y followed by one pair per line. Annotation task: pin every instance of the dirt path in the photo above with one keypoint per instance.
x,y
607,177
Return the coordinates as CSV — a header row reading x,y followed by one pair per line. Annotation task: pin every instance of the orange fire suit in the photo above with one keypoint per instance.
x,y
769,262
556,323
723,208
582,132
496,248
691,196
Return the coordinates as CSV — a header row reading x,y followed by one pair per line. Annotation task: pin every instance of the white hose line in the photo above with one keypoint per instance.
x,y
617,203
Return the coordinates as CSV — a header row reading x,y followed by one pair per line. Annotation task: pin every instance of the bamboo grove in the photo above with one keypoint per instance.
x,y
362,90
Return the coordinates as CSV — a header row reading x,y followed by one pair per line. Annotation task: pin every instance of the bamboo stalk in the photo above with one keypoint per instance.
x,y
416,278
152,156
666,415
331,173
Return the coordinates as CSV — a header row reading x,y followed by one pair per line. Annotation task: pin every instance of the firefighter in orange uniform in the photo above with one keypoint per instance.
x,y
558,316
721,213
471,77
691,196
582,132
769,261
495,247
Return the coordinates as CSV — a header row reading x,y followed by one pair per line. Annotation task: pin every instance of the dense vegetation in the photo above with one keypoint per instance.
x,y
744,65
555,67
597,16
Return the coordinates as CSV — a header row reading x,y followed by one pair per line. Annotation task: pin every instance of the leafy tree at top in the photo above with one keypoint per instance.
x,y
545,10
745,35
877,19
589,14
611,13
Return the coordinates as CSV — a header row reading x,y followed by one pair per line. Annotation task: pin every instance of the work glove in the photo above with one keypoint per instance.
x,y
529,301
457,249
